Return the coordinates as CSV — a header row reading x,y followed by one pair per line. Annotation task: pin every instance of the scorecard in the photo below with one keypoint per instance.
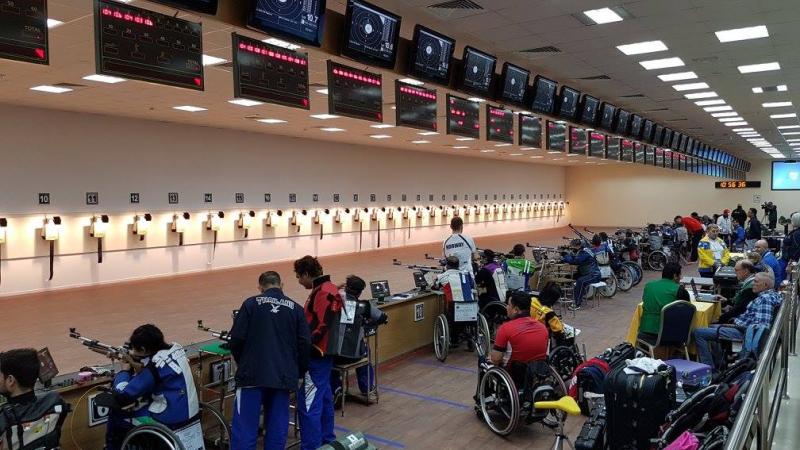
x,y
416,106
23,31
463,117
354,93
499,124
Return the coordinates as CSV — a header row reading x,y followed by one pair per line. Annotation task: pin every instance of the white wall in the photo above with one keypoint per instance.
x,y
69,154
632,195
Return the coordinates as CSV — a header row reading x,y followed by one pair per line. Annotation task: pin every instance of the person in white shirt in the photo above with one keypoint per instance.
x,y
725,223
460,246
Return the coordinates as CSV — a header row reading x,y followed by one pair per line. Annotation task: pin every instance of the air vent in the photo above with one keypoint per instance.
x,y
548,49
70,85
706,59
677,120
657,110
456,4
596,77
632,96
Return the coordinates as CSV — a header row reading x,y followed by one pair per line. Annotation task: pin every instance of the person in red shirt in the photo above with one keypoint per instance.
x,y
521,340
695,230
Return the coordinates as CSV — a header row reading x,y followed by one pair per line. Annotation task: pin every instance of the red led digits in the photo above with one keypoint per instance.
x,y
357,77
127,17
418,92
272,54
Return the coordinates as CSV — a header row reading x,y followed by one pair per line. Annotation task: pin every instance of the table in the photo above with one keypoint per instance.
x,y
699,281
705,315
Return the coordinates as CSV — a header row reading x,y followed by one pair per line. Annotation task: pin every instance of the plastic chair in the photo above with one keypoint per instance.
x,y
676,328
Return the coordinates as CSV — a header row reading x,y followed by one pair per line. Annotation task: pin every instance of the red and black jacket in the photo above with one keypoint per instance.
x,y
323,306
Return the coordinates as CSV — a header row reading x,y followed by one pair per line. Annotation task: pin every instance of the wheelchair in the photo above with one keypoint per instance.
x,y
565,356
503,405
210,428
476,333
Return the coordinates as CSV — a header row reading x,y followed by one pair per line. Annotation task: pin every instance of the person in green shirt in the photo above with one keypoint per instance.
x,y
518,270
745,272
658,294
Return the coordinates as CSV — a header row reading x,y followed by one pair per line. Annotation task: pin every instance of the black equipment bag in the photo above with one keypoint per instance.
x,y
33,426
616,357
637,405
592,435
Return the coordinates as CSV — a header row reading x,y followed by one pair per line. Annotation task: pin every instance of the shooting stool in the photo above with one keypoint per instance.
x,y
344,371
596,297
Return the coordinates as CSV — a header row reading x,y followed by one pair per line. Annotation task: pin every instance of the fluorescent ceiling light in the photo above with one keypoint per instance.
x,y
690,86
488,150
189,108
382,125
104,79
602,15
783,116
324,116
791,133
794,144
420,142
655,64
742,129
765,67
537,157
776,104
527,113
557,159
735,124
782,88
778,156
642,47
502,145
555,152
730,119
476,99
209,60
679,76
323,91
778,88
271,121
758,90
52,23
51,89
788,127
515,154
428,133
697,95
572,154
332,129
528,148
725,114
411,81
244,102
460,147
380,136
718,108
741,34
746,135
465,139
793,140
281,43
718,101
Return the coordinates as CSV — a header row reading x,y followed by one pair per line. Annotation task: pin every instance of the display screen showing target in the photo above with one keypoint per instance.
x,y
463,117
23,31
298,20
544,95
371,34
514,84
478,71
431,56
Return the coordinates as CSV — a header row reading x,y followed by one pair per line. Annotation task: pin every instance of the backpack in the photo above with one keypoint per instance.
x,y
755,337
34,426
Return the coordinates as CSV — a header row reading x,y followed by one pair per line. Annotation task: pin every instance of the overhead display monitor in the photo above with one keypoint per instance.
x,y
202,6
589,107
143,45
627,151
607,113
530,131
23,31
431,55
514,84
786,175
647,131
622,122
463,117
568,102
681,162
676,138
658,135
354,93
667,138
643,153
636,126
296,20
269,74
556,136
544,95
370,34
613,148
416,106
597,145
659,161
478,71
577,141
499,124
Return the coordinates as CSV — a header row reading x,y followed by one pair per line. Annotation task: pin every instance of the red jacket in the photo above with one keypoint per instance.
x,y
323,304
692,225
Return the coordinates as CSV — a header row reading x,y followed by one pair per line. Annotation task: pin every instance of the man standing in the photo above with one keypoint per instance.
x,y
315,405
461,246
712,252
270,343
739,215
768,259
695,230
752,228
725,224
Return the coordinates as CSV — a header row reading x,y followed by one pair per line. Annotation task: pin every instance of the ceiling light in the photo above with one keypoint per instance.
x,y
783,116
557,159
788,127
718,101
380,136
476,99
281,43
428,133
555,152
332,129
725,114
697,95
741,34
323,91
460,147
718,108
488,150
742,129
104,79
689,86
382,125
324,116
244,102
735,124
420,142
411,81
573,154
746,135
793,140
642,47
528,148
271,121
602,15
537,157
52,23
527,113
791,133
730,119
782,88
502,145
776,156
752,68
51,89
679,76
794,144
209,60
655,64
515,154
189,108
758,90
465,139
776,104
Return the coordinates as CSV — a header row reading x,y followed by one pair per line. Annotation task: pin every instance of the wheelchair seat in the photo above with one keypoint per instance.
x,y
208,429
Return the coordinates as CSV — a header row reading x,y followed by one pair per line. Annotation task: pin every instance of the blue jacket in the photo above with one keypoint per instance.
x,y
586,262
777,268
270,342
165,387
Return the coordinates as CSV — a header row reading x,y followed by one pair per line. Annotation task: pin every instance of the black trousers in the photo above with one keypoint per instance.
x,y
695,241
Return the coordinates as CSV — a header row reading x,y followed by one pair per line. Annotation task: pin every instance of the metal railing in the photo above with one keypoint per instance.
x,y
755,424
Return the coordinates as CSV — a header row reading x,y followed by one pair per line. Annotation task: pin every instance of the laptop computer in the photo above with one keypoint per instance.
x,y
702,297
379,289
419,281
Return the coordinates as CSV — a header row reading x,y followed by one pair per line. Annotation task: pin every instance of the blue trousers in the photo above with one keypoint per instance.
x,y
315,405
582,286
706,341
364,374
706,273
247,414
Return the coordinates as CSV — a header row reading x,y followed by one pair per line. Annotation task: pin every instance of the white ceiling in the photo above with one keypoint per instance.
x,y
502,27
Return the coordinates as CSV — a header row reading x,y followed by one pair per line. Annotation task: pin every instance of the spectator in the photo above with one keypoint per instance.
x,y
713,252
739,215
725,224
746,274
752,228
791,244
768,259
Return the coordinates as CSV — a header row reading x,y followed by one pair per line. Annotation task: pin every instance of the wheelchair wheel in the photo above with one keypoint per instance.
x,y
564,360
625,278
559,388
441,337
610,289
495,314
636,270
483,337
151,437
499,401
657,260
216,431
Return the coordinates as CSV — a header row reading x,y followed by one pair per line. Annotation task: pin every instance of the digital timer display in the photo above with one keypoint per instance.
x,y
740,184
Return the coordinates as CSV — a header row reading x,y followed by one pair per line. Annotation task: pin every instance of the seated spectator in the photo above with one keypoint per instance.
x,y
791,244
768,259
658,294
760,311
755,258
745,273
712,252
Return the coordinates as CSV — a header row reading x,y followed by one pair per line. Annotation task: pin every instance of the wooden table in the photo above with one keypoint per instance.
x,y
706,314
405,331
